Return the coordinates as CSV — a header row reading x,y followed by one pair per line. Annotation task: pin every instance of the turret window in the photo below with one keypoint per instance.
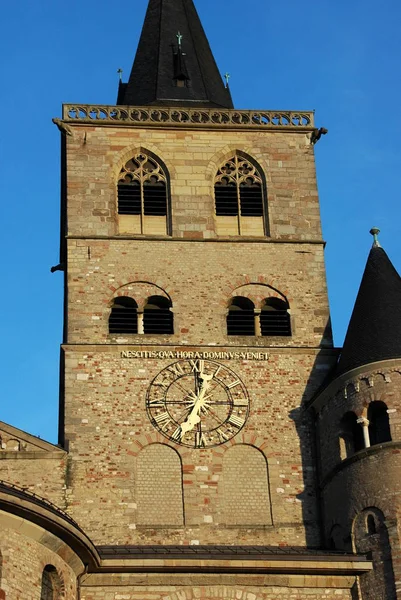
x,y
275,318
240,198
143,196
351,435
379,423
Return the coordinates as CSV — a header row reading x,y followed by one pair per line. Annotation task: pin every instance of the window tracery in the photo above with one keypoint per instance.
x,y
240,198
143,196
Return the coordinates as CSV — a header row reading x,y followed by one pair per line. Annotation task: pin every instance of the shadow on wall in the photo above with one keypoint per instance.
x,y
304,423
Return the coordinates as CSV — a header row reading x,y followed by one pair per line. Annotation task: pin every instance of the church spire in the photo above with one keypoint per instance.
x,y
174,64
374,331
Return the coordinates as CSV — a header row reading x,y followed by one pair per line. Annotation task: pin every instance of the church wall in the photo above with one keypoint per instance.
x,y
36,473
26,550
200,278
107,426
95,156
276,587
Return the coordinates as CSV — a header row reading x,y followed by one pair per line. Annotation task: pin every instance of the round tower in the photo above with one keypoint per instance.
x,y
358,417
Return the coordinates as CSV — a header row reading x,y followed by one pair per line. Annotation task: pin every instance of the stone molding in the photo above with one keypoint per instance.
x,y
152,116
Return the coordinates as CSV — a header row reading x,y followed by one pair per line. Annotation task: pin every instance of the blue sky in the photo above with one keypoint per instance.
x,y
340,58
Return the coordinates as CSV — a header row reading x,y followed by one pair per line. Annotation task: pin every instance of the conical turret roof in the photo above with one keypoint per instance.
x,y
174,64
374,331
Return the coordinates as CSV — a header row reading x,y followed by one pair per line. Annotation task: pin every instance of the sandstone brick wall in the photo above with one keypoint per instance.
x,y
95,156
107,426
24,559
200,278
278,591
244,493
159,486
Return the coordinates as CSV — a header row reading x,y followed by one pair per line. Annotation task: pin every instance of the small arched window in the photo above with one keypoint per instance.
x,y
51,586
157,316
379,423
275,318
370,525
123,316
241,317
351,435
143,196
240,198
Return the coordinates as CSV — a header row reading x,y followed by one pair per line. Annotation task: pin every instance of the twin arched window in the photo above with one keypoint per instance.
x,y
359,433
271,319
144,197
155,318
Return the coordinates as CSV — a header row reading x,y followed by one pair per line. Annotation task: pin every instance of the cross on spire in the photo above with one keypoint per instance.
x,y
153,78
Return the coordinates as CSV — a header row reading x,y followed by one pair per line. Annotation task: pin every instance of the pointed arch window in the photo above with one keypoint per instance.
x,y
143,196
241,317
240,198
157,316
123,316
275,318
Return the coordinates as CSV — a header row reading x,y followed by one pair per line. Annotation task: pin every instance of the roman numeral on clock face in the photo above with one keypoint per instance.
x,y
163,419
200,441
176,369
236,421
233,384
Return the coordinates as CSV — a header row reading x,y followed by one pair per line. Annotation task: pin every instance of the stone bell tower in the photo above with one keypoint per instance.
x,y
197,316
197,335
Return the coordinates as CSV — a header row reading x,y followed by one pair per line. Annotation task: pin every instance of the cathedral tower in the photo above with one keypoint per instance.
x,y
196,337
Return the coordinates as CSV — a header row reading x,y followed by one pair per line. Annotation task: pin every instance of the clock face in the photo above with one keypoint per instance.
x,y
198,403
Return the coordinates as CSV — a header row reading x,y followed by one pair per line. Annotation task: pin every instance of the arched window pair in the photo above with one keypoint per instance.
x,y
272,319
143,196
240,198
359,433
156,318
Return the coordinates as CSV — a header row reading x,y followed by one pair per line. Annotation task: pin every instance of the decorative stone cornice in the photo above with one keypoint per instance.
x,y
353,378
152,116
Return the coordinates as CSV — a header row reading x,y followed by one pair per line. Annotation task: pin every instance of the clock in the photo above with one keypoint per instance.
x,y
197,403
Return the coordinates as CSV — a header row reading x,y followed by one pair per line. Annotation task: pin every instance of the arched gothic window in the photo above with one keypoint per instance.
x,y
240,198
275,318
351,435
379,423
241,317
143,196
123,316
51,587
157,316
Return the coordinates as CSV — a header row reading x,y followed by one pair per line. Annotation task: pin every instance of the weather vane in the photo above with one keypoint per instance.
x,y
120,74
227,78
179,38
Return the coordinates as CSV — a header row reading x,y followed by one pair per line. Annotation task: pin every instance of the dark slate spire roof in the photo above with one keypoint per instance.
x,y
171,71
374,332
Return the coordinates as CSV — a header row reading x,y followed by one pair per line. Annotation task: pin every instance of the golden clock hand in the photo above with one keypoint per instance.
x,y
194,416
